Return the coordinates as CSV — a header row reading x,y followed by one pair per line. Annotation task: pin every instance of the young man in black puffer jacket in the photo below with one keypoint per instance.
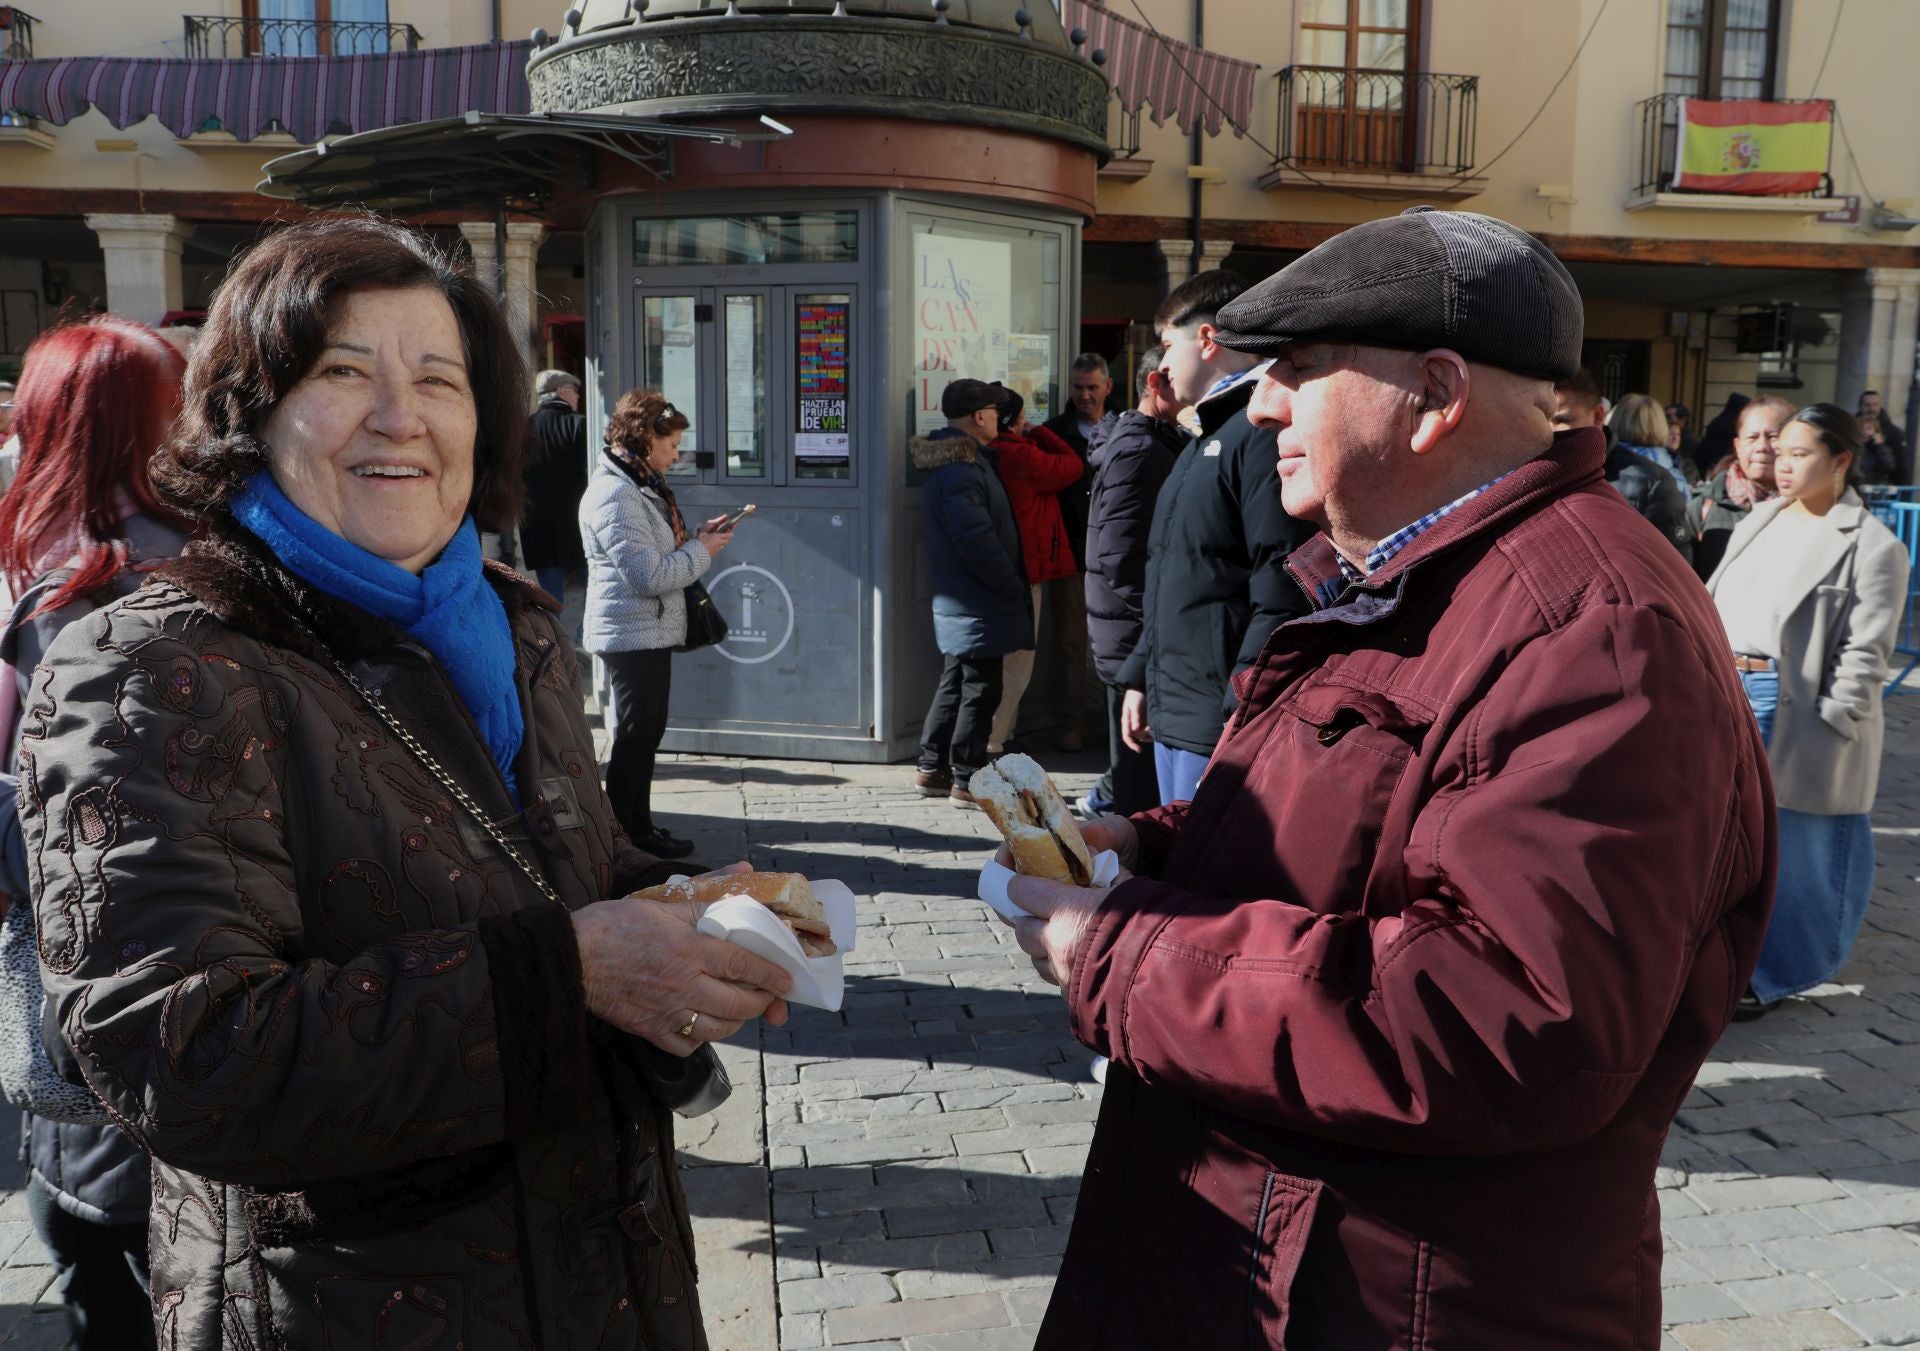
x,y
1131,458
1216,583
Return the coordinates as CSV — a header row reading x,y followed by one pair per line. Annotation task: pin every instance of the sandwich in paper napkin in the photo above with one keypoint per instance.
x,y
995,875
819,982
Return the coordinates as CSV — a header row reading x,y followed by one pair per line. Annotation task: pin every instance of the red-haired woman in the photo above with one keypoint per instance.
x,y
79,527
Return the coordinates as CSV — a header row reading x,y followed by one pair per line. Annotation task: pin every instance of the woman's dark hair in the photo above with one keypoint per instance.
x,y
1011,406
1838,431
95,401
641,415
268,325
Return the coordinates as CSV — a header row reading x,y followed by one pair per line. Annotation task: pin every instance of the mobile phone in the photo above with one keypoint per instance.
x,y
736,517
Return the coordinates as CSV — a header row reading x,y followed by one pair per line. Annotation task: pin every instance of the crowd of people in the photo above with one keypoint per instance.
x,y
306,841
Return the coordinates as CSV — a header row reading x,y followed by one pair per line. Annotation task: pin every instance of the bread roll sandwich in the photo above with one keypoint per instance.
x,y
786,894
1022,801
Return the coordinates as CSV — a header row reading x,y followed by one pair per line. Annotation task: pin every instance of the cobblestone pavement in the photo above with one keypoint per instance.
x,y
924,1146
901,1175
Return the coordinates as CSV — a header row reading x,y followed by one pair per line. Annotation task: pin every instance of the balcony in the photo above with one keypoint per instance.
x,y
1387,133
213,37
16,44
1128,165
1658,157
16,34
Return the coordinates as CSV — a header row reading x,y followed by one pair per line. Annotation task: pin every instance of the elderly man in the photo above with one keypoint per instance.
x,y
1089,385
1401,1005
556,476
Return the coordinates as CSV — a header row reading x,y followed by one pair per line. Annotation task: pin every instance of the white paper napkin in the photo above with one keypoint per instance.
x,y
817,981
994,877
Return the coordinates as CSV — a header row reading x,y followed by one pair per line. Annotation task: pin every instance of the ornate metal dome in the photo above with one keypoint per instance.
x,y
1002,63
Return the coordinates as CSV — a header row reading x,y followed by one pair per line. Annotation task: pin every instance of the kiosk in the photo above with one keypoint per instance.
x,y
852,202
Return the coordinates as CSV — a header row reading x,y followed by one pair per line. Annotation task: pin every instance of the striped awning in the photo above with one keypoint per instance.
x,y
307,96
1178,81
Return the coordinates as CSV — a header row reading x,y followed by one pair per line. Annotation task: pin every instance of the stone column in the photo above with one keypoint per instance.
x,y
1213,253
523,249
143,263
1176,262
1878,325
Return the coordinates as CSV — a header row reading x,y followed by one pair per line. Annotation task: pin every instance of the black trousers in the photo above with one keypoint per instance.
x,y
961,716
102,1275
1130,782
640,682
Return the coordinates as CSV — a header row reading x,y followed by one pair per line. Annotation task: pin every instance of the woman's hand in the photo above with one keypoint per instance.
x,y
714,535
648,971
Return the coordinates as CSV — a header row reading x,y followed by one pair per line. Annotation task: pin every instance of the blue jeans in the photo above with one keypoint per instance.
x,y
1825,881
1178,771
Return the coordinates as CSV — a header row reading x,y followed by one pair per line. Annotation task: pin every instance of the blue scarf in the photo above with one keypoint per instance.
x,y
449,606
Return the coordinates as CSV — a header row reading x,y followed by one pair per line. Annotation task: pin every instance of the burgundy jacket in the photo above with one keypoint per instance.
x,y
1035,466
1404,1001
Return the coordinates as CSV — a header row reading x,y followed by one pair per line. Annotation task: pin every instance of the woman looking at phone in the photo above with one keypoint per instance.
x,y
640,560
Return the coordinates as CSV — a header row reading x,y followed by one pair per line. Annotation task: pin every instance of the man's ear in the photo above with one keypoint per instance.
x,y
1203,339
1443,398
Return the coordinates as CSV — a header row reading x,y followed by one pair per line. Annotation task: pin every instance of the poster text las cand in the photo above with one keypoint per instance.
x,y
962,309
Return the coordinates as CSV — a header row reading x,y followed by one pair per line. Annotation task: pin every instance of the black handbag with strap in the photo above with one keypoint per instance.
x,y
705,624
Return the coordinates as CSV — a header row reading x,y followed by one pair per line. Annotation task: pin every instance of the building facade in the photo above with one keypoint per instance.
x,y
1365,106
895,192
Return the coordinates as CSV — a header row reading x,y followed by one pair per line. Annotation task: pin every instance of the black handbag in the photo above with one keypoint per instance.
x,y
705,624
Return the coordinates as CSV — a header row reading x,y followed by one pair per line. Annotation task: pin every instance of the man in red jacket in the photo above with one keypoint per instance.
x,y
1401,1005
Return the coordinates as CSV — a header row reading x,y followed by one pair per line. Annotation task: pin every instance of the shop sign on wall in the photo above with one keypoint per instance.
x,y
823,434
962,309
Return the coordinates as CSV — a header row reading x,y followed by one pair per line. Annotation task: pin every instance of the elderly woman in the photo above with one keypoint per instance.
x,y
1640,425
1811,592
641,558
325,865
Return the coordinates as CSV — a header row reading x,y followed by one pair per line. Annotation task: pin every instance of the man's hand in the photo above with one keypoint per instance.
x,y
1133,720
1060,915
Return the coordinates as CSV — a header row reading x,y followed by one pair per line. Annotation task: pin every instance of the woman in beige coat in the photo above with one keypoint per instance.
x,y
1811,591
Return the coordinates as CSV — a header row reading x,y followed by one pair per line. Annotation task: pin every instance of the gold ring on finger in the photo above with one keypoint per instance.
x,y
687,1031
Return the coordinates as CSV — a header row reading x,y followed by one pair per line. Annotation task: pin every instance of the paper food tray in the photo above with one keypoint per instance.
x,y
817,981
995,875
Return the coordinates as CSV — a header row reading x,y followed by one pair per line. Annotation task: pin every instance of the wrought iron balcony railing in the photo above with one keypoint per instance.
x,y
211,36
16,34
1660,140
1378,121
1123,132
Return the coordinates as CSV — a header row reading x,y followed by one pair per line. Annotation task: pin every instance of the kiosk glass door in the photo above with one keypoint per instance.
x,y
764,373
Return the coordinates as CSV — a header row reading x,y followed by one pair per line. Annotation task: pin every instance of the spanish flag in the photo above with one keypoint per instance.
x,y
1753,147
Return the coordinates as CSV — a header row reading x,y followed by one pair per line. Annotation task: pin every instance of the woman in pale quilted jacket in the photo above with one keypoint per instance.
x,y
640,560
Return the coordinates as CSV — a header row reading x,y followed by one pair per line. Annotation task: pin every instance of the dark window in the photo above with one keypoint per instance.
x,y
1722,49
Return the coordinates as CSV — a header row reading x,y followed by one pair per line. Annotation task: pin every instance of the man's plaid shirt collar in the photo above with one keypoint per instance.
x,y
1384,552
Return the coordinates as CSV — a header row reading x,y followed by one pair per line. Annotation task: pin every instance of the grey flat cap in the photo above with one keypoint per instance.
x,y
1421,279
552,382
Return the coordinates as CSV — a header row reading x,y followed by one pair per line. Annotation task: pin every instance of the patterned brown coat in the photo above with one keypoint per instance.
x,y
350,1033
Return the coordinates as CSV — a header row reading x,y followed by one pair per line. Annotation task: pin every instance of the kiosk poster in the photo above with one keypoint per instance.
x,y
1030,372
822,437
962,308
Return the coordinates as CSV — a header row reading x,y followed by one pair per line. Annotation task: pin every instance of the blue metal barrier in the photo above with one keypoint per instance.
x,y
1903,518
